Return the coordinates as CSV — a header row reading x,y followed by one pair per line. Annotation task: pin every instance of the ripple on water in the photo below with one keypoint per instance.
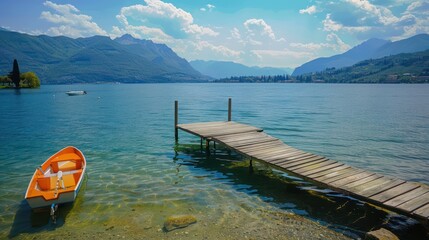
x,y
136,180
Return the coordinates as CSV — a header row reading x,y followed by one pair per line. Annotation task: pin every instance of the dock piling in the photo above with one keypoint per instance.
x,y
176,120
401,196
207,146
229,109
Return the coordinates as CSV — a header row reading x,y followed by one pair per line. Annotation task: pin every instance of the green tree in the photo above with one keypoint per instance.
x,y
31,79
14,75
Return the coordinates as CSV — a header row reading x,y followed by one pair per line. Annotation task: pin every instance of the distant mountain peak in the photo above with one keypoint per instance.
x,y
94,59
230,69
372,48
127,39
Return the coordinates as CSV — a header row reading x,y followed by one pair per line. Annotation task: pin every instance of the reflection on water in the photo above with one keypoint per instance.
x,y
335,210
136,180
27,220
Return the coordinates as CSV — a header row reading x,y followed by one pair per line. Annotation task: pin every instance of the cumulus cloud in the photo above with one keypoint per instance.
x,y
367,19
339,45
333,42
221,50
309,46
259,26
71,23
235,33
278,57
418,7
382,14
165,23
165,17
331,25
310,10
209,7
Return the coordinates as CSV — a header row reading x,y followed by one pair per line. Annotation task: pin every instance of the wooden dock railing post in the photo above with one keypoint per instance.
x,y
229,109
176,120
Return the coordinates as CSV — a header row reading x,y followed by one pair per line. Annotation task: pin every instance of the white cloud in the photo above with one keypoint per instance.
x,y
166,17
142,32
281,57
418,7
333,42
259,26
310,10
366,19
235,33
331,25
309,46
218,49
210,7
383,14
71,23
279,53
200,30
339,45
165,23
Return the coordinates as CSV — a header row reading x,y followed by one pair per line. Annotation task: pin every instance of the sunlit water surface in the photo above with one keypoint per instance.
x,y
137,177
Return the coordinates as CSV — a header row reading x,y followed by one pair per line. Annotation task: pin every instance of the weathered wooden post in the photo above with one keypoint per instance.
x,y
207,146
176,120
229,109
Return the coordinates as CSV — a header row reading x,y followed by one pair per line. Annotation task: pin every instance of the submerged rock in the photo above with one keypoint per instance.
x,y
381,234
180,221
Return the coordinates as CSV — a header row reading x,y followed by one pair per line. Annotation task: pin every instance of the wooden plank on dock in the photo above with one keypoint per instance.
x,y
301,161
422,211
405,197
330,172
395,191
415,203
382,188
367,185
316,170
328,180
293,154
358,175
295,166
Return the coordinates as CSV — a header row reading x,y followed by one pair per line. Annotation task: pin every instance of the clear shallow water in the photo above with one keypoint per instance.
x,y
136,178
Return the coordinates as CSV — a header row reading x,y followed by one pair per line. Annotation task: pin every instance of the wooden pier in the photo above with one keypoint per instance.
x,y
409,198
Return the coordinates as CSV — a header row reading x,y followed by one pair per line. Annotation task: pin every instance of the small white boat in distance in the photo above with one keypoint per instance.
x,y
75,93
58,179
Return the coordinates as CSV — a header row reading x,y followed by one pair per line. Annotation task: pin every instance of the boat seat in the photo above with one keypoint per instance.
x,y
66,163
67,166
67,156
49,183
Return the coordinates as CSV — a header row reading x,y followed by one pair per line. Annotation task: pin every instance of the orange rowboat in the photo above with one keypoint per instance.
x,y
57,180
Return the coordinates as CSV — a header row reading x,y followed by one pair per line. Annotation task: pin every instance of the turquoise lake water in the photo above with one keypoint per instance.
x,y
136,178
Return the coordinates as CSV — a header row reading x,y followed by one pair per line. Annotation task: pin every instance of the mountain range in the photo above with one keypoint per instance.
x,y
370,49
63,60
229,69
59,60
399,68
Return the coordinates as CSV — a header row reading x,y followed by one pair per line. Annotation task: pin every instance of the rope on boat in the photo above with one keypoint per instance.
x,y
59,179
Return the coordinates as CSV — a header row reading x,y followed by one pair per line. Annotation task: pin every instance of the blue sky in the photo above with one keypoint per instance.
x,y
277,33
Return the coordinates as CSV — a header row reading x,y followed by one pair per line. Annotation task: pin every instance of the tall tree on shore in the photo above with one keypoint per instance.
x,y
15,75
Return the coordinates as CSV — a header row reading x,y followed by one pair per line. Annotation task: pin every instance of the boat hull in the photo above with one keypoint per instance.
x,y
38,202
58,180
75,93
